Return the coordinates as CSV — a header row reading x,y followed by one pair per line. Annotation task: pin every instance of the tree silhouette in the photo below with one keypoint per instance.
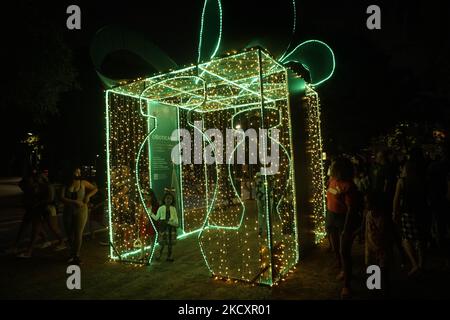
x,y
40,65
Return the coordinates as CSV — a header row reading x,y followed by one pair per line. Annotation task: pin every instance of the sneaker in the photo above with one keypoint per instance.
x,y
170,259
340,276
60,247
46,244
71,260
24,255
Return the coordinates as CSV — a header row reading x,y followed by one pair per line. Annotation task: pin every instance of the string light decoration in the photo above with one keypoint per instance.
x,y
132,228
241,235
245,222
314,149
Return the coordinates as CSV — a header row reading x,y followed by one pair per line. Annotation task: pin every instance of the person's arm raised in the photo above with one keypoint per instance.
x,y
91,188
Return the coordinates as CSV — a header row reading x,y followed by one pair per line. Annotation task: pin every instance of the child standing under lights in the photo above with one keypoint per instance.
x,y
168,223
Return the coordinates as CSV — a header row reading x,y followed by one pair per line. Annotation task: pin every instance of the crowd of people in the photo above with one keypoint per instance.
x,y
41,209
42,201
396,204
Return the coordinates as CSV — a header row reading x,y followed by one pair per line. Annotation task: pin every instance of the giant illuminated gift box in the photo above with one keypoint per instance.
x,y
246,223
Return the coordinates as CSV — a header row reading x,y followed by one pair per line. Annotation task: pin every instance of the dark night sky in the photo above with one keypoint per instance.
x,y
377,76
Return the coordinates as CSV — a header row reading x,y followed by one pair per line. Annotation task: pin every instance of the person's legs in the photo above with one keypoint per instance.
x,y
346,247
422,236
162,243
332,227
80,222
330,243
68,221
169,244
411,255
52,221
43,235
335,240
169,251
347,239
362,229
397,241
26,221
161,250
54,228
36,227
346,256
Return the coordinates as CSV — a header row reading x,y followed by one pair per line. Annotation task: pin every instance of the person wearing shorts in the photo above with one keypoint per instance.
x,y
342,220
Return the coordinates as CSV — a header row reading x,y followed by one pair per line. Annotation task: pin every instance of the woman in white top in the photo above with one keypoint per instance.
x,y
168,222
